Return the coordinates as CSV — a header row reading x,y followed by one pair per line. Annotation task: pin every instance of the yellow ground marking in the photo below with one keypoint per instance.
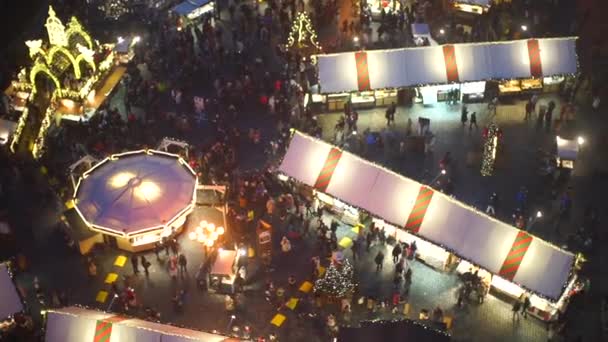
x,y
120,261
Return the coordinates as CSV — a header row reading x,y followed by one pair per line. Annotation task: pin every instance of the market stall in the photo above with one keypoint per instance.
x,y
223,271
192,9
472,6
456,63
75,324
10,300
136,198
567,151
504,251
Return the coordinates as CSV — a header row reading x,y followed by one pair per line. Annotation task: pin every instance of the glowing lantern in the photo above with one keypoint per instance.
x,y
214,236
220,230
192,236
203,223
211,227
199,230
209,243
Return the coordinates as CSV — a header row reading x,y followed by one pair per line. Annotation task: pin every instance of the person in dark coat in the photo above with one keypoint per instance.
x,y
145,264
135,264
396,252
464,113
379,261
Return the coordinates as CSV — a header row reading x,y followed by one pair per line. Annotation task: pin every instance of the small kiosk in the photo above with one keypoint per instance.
x,y
224,270
567,151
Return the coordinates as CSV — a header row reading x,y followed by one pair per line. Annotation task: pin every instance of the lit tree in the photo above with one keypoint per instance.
x,y
114,9
302,35
490,147
338,281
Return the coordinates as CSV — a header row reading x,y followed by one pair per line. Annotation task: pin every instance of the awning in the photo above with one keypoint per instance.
x,y
189,6
366,70
10,302
494,245
74,324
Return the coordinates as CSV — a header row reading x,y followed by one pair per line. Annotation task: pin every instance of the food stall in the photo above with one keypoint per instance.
x,y
78,324
10,299
567,151
476,7
376,7
443,228
136,198
224,270
191,10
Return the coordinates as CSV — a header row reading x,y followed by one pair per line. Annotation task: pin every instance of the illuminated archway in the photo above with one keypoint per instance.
x,y
75,29
41,68
66,53
89,62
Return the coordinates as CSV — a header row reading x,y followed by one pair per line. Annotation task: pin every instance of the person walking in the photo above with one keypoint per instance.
x,y
396,252
516,308
135,264
473,121
525,305
390,114
157,248
379,261
145,264
529,110
368,240
464,113
182,263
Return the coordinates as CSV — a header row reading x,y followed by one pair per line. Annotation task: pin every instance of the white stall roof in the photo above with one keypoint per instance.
x,y
567,149
427,65
74,324
474,236
10,302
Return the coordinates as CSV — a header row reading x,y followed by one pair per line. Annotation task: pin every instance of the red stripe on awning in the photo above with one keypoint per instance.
x,y
331,162
451,67
536,66
516,255
362,71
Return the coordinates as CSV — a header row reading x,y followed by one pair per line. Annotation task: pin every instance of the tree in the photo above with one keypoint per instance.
x,y
303,36
338,281
490,147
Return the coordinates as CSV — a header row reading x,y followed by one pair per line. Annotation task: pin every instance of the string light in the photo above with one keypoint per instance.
x,y
302,35
337,282
490,146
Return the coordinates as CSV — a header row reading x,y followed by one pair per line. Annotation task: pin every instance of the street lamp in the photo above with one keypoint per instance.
x,y
533,220
580,140
355,39
524,28
443,172
441,31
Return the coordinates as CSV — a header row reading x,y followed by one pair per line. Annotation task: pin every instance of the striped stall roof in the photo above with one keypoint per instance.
x,y
405,67
494,245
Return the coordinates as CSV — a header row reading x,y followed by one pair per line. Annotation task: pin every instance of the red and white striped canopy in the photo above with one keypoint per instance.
x,y
74,324
474,236
366,70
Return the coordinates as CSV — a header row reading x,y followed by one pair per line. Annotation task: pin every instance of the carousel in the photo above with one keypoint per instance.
x,y
136,198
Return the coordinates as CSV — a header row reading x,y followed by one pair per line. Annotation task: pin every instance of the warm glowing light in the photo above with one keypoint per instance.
x,y
91,96
120,40
199,230
213,236
243,252
121,179
524,28
561,142
209,243
355,39
580,140
147,191
441,31
443,172
211,227
203,223
201,239
68,103
136,39
494,146
192,236
220,230
539,214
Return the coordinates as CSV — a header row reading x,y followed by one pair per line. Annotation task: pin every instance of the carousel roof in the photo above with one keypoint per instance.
x,y
136,191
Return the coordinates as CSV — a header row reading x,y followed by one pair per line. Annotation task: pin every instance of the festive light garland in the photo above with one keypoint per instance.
x,y
337,282
39,143
492,136
434,242
302,34
19,130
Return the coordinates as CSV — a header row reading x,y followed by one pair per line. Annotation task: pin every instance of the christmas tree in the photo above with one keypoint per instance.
x,y
114,9
302,35
338,281
490,147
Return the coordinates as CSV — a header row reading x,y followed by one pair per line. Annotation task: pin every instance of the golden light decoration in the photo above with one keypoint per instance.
x,y
206,233
121,179
302,34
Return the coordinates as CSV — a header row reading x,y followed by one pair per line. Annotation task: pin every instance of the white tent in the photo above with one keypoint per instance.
x,y
363,70
10,302
474,236
74,324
